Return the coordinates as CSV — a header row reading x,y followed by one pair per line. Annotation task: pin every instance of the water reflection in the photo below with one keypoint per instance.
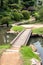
x,y
4,37
36,39
38,42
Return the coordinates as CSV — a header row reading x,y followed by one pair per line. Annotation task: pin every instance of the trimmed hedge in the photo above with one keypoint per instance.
x,y
36,15
41,14
17,16
26,14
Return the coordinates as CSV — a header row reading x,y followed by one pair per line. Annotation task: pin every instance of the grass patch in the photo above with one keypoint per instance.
x,y
17,28
38,30
28,54
3,47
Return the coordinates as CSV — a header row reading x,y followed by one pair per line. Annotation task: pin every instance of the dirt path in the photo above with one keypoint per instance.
x,y
11,57
33,25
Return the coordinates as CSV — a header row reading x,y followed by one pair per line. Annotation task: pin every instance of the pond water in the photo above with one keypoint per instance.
x,y
38,42
4,37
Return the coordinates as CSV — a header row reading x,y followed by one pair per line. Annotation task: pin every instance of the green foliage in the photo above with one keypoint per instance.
x,y
14,6
26,14
1,3
41,14
13,1
17,28
1,16
15,10
36,15
5,20
28,3
4,47
5,13
28,0
17,16
28,53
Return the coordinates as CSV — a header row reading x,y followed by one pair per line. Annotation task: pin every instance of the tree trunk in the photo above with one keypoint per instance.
x,y
1,3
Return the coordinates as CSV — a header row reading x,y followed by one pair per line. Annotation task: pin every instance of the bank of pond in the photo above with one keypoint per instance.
x,y
35,39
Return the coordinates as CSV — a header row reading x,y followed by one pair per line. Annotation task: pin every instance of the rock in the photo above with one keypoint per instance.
x,y
37,53
10,31
42,35
35,62
33,47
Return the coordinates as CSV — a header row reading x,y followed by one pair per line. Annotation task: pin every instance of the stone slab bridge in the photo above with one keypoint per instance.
x,y
22,38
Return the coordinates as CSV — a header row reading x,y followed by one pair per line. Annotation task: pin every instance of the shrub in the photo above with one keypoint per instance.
x,y
16,6
5,13
17,16
1,16
41,14
14,10
5,20
36,15
26,14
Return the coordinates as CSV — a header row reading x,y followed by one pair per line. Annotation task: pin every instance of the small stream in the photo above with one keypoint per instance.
x,y
4,37
38,42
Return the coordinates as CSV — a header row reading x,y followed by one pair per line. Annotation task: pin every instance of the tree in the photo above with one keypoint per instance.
x,y
1,3
41,14
13,1
28,3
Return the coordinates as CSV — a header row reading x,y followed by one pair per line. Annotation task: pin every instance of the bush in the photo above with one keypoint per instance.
x,y
16,6
17,16
1,16
26,14
41,14
5,20
14,10
36,15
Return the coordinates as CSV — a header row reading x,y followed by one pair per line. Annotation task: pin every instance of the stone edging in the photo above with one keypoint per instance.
x,y
37,35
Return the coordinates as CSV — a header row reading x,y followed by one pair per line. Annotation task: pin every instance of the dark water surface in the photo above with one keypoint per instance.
x,y
4,37
38,42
